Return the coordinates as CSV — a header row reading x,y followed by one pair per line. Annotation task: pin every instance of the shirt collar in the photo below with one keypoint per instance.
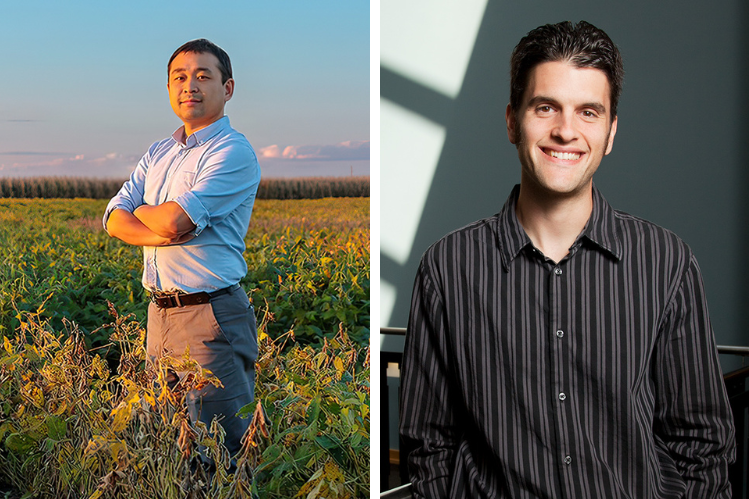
x,y
512,236
601,229
202,135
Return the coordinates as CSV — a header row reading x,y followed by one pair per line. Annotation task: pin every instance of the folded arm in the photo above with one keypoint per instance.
x,y
127,227
166,220
228,178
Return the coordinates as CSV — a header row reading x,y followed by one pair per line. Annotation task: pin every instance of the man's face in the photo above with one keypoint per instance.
x,y
563,127
195,90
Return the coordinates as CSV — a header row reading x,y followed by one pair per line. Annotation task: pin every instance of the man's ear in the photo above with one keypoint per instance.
x,y
511,125
612,132
228,89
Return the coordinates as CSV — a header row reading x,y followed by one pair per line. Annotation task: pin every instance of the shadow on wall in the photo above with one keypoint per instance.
x,y
677,159
477,165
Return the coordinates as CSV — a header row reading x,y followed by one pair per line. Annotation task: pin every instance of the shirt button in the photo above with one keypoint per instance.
x,y
562,397
557,271
567,460
560,334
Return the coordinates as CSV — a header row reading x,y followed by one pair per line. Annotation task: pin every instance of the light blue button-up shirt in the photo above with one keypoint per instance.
x,y
213,175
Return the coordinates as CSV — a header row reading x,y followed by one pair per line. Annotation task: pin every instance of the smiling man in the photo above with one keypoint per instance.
x,y
188,203
562,349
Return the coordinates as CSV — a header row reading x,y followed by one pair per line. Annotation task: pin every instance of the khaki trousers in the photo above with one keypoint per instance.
x,y
222,337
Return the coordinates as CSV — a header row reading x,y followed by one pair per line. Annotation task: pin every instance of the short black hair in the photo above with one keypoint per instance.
x,y
202,46
581,44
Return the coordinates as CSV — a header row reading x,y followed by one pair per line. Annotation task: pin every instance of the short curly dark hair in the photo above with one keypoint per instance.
x,y
202,46
582,44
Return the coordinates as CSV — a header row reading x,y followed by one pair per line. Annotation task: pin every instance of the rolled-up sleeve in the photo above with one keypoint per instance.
x,y
228,177
130,195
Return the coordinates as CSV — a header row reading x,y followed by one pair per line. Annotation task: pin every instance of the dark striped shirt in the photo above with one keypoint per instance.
x,y
596,377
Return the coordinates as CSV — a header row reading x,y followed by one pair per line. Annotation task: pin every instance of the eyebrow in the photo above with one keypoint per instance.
x,y
178,70
597,106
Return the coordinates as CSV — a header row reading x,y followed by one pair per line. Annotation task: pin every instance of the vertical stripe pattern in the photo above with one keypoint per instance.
x,y
594,377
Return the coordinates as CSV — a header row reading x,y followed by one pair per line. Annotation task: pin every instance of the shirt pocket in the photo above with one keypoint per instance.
x,y
183,181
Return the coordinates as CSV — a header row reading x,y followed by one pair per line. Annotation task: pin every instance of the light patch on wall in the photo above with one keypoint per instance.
x,y
430,41
388,294
410,148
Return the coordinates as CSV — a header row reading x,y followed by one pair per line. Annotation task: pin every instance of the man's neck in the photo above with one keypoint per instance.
x,y
553,222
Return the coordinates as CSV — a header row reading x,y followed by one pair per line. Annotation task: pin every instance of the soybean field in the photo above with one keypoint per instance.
x,y
73,389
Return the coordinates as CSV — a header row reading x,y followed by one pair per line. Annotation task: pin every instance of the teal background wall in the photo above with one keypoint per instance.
x,y
679,157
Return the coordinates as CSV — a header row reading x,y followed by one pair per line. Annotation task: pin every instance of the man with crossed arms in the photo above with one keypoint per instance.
x,y
188,203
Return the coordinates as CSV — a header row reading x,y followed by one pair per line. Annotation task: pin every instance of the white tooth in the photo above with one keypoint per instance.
x,y
564,155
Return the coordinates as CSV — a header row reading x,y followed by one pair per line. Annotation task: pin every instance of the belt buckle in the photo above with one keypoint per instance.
x,y
173,299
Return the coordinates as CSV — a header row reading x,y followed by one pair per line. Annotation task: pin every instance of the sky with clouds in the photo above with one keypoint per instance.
x,y
84,93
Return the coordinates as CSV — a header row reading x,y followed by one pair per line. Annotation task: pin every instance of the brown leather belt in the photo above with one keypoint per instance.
x,y
169,300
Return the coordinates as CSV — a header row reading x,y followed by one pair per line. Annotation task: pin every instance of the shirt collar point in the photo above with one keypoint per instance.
x,y
603,226
617,250
512,238
201,136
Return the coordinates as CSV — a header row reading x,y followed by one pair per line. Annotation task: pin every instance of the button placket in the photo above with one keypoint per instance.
x,y
560,324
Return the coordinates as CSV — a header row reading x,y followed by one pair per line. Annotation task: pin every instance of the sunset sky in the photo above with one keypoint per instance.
x,y
84,93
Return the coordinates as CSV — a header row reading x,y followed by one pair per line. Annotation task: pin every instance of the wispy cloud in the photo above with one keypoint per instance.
x,y
33,153
110,165
112,156
344,151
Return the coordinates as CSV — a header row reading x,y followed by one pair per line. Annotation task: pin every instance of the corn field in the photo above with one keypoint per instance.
x,y
97,188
